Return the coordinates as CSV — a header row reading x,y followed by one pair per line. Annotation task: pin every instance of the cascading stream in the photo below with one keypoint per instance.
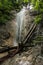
x,y
19,21
20,24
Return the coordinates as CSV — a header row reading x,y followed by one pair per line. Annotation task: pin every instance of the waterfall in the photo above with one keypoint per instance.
x,y
30,6
19,21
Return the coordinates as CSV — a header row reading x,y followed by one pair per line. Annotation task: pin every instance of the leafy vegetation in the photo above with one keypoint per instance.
x,y
6,6
38,6
5,9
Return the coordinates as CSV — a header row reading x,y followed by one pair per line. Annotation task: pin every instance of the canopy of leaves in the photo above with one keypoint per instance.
x,y
6,6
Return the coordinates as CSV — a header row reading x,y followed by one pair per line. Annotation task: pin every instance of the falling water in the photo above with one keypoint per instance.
x,y
20,23
19,26
19,20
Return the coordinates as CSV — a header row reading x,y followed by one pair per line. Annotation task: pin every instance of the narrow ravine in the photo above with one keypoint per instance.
x,y
29,55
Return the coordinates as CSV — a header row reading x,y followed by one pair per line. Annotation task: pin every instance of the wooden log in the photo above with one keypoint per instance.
x,y
9,55
6,49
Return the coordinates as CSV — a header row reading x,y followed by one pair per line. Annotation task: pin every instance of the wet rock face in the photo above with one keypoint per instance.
x,y
7,33
4,35
27,21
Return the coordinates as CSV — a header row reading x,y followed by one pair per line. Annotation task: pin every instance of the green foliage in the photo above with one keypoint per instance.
x,y
5,8
33,2
7,5
25,1
38,6
38,19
